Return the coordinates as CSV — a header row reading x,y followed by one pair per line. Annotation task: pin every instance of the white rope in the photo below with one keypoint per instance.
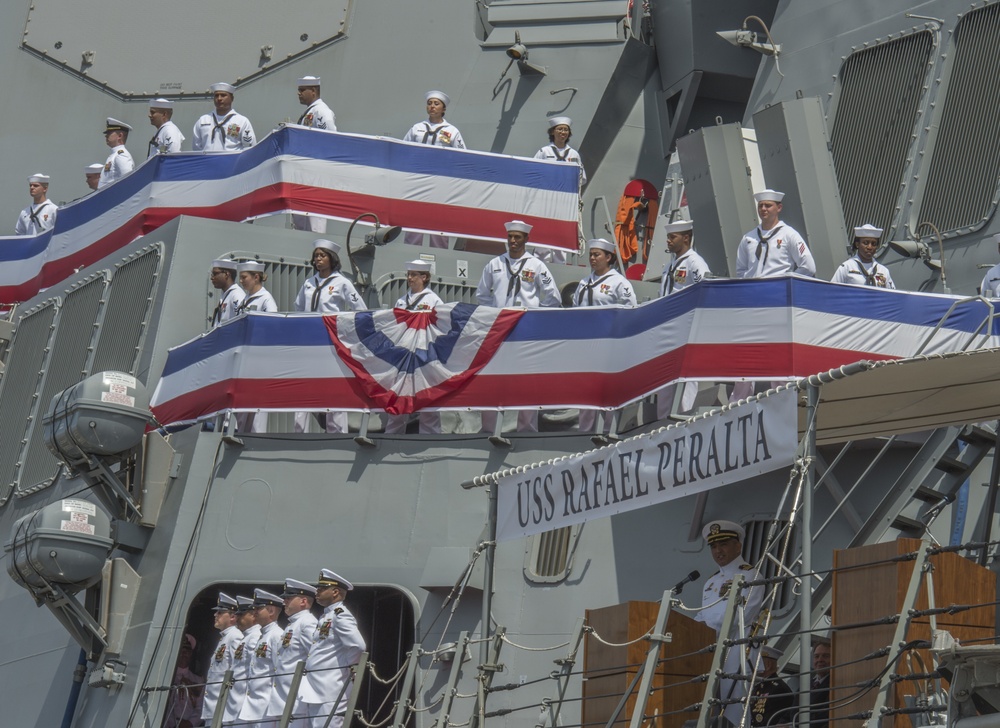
x,y
603,641
533,649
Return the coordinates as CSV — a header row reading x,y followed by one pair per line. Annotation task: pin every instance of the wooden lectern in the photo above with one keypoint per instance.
x,y
865,591
608,671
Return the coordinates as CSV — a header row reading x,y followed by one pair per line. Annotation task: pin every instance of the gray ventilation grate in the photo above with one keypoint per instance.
x,y
879,95
967,147
65,366
127,311
19,387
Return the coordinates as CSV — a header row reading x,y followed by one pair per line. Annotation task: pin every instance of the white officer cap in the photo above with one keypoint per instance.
x,y
422,266
263,598
243,604
764,651
95,168
225,264
330,578
308,81
517,226
769,196
440,95
555,121
222,86
721,530
39,177
161,104
327,245
600,244
679,226
111,124
225,603
867,231
252,266
294,588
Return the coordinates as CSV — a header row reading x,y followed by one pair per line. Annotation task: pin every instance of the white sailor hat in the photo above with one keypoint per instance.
x,y
161,104
39,177
252,266
308,81
867,231
225,264
95,168
327,245
517,226
330,578
721,530
555,121
421,266
439,95
679,226
600,244
263,598
225,603
222,86
769,196
111,124
243,605
294,588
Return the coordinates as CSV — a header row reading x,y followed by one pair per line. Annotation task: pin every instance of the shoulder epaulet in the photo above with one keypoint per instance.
x,y
121,151
338,610
745,567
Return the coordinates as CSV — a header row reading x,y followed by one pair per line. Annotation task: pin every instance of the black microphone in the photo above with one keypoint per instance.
x,y
679,586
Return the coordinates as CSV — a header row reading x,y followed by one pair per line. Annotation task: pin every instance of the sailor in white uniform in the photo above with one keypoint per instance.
x,y
231,296
93,174
685,269
517,278
258,298
119,162
223,659
168,137
990,287
337,645
773,248
223,130
266,609
558,147
316,116
419,297
252,279
40,215
605,286
293,647
863,269
327,291
725,539
436,131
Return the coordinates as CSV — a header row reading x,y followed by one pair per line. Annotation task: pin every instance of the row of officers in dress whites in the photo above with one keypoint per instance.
x,y
263,657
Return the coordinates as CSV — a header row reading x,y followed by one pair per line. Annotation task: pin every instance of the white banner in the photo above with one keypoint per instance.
x,y
748,440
